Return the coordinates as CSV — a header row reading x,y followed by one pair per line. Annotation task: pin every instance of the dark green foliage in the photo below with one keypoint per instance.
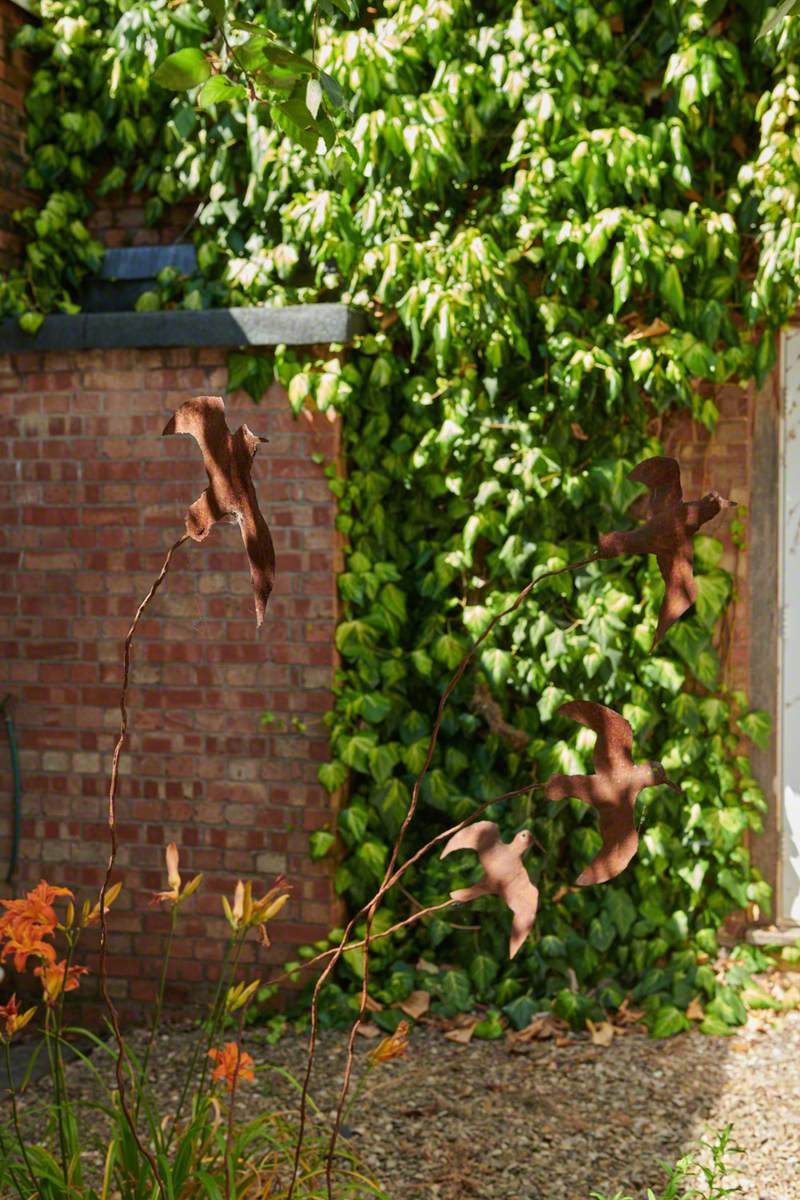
x,y
523,192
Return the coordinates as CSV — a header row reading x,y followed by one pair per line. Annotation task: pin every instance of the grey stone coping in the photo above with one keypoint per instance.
x,y
145,262
295,325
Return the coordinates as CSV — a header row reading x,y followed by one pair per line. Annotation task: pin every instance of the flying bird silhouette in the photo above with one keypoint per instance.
x,y
612,790
228,459
667,534
504,874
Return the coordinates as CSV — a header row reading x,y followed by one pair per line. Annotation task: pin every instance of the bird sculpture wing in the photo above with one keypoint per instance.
x,y
561,787
680,587
662,476
620,841
230,493
523,899
480,836
612,751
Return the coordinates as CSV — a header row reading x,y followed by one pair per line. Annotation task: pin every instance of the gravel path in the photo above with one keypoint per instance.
x,y
548,1121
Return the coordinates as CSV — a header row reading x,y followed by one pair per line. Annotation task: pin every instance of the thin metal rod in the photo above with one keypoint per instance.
x,y
122,1058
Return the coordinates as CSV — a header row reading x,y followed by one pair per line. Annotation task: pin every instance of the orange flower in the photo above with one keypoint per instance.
x,y
252,913
13,1018
36,907
24,939
174,895
54,982
232,1063
391,1047
91,914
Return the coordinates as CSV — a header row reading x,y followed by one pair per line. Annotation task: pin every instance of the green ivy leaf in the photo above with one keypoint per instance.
x,y
456,991
497,665
373,855
332,776
757,725
713,591
352,822
482,972
622,911
667,1021
31,322
448,650
182,70
672,289
520,1011
220,90
320,843
490,1028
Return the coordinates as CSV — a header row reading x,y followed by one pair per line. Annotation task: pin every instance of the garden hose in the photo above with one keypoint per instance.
x,y
5,709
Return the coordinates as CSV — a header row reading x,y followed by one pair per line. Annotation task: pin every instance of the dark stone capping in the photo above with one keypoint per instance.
x,y
145,262
296,325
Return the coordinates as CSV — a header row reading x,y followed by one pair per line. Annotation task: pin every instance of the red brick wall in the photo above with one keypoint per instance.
x,y
14,78
91,497
722,460
118,220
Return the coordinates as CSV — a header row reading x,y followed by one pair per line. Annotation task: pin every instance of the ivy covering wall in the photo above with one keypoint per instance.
x,y
563,220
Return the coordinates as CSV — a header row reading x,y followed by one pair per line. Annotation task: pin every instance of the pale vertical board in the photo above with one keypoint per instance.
x,y
790,634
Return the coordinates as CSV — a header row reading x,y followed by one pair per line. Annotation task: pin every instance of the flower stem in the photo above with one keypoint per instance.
x,y
58,1090
157,1012
15,1118
357,1090
6,1158
193,1060
219,1004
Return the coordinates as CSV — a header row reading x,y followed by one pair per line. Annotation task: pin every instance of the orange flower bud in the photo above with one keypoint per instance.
x,y
391,1047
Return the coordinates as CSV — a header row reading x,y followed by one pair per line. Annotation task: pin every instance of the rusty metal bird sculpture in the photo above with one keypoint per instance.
x,y
667,534
612,790
228,459
504,874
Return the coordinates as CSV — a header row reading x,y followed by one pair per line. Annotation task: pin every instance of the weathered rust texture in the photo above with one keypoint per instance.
x,y
612,790
504,874
667,534
228,459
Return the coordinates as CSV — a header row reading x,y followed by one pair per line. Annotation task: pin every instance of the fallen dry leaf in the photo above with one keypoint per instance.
x,y
628,1016
369,1031
577,432
656,328
791,996
422,964
602,1033
695,1011
373,1005
541,1028
462,1035
415,1005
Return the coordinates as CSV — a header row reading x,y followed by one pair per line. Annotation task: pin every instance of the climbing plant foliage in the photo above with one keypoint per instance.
x,y
563,220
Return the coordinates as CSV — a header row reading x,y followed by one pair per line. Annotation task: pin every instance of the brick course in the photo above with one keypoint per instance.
x,y
90,498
